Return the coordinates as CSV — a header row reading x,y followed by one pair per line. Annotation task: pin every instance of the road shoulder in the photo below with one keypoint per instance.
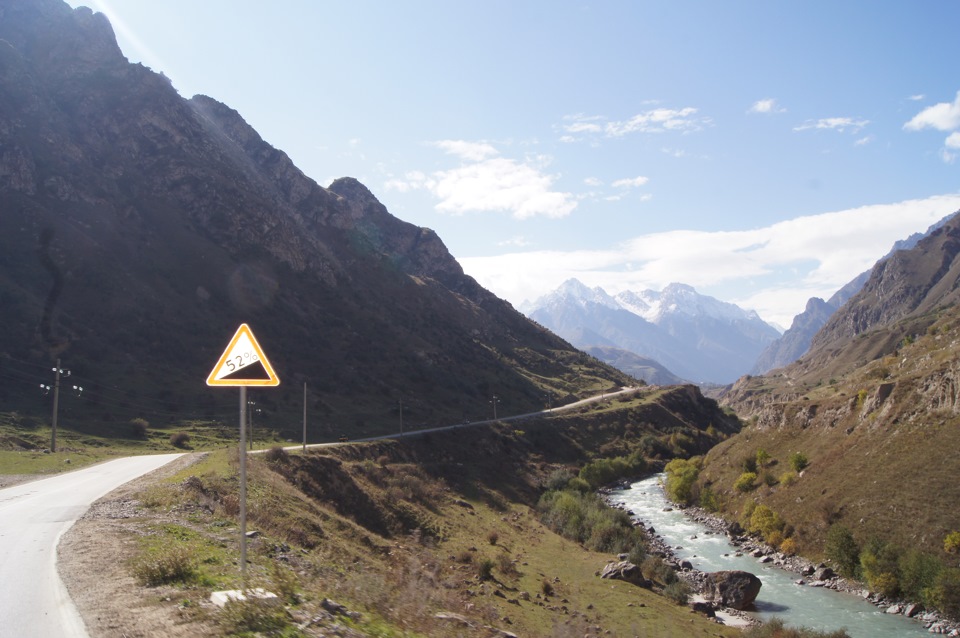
x,y
92,560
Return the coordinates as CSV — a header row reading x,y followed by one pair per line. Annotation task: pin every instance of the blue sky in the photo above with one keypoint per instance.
x,y
763,152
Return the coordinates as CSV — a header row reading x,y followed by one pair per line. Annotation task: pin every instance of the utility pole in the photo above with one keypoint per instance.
x,y
304,416
57,372
401,417
495,400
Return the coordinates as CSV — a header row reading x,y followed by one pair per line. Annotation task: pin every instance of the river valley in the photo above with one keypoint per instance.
x,y
780,595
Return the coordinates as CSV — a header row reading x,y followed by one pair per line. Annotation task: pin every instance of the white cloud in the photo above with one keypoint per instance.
x,y
474,151
485,182
519,241
773,270
839,124
593,181
631,182
944,116
767,105
658,120
916,98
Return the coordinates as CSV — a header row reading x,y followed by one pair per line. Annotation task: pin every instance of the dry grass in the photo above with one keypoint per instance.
x,y
400,533
869,459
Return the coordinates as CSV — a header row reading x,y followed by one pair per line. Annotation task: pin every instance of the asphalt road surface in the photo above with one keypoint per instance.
x,y
33,517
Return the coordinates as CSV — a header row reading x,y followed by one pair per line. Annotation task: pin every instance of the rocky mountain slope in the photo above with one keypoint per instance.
x,y
874,407
138,229
797,339
694,336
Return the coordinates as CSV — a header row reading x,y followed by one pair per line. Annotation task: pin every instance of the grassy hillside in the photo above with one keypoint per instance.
x,y
411,535
879,437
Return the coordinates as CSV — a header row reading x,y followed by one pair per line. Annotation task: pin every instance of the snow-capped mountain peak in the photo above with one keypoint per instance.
x,y
694,335
574,291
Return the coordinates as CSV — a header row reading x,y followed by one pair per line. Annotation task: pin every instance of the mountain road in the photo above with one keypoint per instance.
x,y
33,517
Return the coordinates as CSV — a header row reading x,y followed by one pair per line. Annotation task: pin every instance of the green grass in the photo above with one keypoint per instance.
x,y
21,448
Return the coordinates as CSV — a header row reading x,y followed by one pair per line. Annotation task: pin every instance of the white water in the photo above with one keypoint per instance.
x,y
780,596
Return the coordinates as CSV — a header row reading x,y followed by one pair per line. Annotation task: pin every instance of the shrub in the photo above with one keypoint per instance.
x,y
763,457
746,482
681,476
558,479
603,471
951,544
749,464
577,484
788,478
493,537
709,500
254,616
284,582
842,549
139,427
276,454
788,546
637,554
946,592
485,569
506,565
765,522
654,568
918,573
546,587
775,628
798,461
586,518
180,440
164,565
878,564
678,592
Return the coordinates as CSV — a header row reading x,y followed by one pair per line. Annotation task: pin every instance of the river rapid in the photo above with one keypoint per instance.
x,y
780,595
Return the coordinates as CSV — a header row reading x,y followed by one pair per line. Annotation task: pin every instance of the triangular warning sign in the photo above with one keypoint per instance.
x,y
243,363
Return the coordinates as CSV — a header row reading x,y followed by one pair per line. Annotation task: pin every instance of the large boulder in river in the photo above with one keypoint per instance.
x,y
736,589
625,570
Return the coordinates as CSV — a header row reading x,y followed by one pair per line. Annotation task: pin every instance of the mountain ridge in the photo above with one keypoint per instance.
x,y
139,229
694,336
797,339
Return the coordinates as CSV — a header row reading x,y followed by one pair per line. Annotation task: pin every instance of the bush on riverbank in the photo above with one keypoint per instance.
x,y
681,478
604,471
587,519
776,628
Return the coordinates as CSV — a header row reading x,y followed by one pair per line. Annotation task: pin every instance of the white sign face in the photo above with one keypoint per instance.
x,y
243,363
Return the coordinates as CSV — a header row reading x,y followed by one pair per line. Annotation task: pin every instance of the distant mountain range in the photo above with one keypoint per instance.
x,y
693,336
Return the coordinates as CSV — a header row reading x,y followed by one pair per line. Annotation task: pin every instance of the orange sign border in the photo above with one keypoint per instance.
x,y
273,379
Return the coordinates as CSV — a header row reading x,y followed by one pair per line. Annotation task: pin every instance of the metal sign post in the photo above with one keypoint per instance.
x,y
243,488
243,364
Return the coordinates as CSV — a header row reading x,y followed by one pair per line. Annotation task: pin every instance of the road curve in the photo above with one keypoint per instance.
x,y
33,517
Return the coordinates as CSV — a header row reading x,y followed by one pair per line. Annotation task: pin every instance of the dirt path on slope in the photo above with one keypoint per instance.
x,y
93,560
